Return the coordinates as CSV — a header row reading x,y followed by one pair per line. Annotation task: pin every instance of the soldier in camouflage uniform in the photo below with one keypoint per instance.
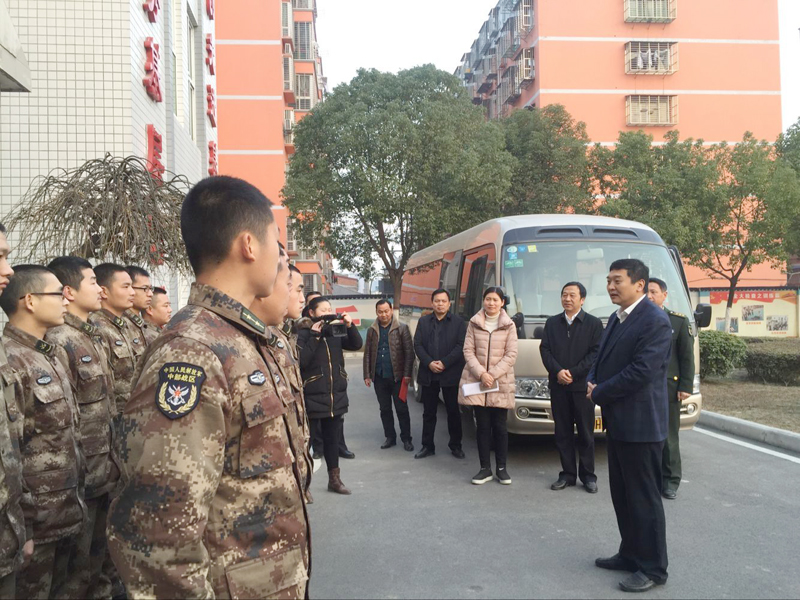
x,y
157,314
13,535
212,502
143,296
114,330
52,460
93,384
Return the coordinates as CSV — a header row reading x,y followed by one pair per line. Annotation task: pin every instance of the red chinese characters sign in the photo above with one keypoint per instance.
x,y
768,296
210,54
212,159
154,149
152,79
151,8
211,103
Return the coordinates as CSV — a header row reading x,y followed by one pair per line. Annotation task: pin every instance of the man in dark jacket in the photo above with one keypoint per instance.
x,y
569,347
439,344
629,382
388,360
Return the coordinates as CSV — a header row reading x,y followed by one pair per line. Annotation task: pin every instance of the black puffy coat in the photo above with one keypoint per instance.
x,y
322,369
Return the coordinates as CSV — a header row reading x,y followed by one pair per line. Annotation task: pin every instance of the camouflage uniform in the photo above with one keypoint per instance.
x,y
136,331
52,461
12,522
150,332
118,345
93,383
212,502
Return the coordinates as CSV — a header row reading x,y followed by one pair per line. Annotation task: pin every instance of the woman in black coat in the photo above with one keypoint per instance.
x,y
325,380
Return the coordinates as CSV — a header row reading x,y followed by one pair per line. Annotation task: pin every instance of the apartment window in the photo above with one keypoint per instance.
x,y
303,92
291,240
288,126
191,47
286,19
652,110
303,4
651,58
650,11
308,282
525,68
525,15
303,42
288,72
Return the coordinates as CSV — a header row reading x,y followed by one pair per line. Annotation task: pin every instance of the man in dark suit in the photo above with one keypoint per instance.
x,y
569,346
680,383
629,382
439,345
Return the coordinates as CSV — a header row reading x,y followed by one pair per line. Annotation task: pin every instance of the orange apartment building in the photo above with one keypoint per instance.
x,y
269,76
708,68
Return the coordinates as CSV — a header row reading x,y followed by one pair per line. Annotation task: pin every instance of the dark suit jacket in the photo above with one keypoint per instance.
x,y
631,375
571,347
680,372
452,330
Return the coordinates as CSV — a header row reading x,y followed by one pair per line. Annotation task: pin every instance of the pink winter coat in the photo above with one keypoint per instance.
x,y
500,347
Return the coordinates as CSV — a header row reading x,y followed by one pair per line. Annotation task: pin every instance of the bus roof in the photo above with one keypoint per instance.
x,y
496,231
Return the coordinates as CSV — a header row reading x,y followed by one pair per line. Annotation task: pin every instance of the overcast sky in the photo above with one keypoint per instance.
x,y
397,35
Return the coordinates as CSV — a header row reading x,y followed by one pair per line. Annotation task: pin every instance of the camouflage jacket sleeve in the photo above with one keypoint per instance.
x,y
173,460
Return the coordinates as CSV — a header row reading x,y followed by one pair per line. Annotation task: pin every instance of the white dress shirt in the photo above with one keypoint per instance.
x,y
623,314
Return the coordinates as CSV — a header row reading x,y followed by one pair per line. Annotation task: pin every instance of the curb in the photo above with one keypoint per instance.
x,y
779,438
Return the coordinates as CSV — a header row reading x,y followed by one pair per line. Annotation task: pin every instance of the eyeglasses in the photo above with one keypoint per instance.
x,y
144,288
60,294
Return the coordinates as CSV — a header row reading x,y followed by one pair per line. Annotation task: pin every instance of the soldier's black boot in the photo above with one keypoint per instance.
x,y
335,483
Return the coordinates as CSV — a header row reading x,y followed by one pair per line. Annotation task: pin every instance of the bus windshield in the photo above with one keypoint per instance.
x,y
534,273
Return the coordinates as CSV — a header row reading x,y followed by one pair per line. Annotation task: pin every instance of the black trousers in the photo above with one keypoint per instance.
x,y
574,411
388,391
316,436
430,403
634,476
492,425
671,460
331,428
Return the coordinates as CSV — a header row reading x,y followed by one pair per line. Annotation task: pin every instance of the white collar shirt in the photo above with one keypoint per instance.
x,y
623,314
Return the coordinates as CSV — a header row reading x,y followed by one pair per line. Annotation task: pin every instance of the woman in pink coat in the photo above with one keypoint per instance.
x,y
490,350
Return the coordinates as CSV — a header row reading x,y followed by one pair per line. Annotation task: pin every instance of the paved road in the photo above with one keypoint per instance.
x,y
419,529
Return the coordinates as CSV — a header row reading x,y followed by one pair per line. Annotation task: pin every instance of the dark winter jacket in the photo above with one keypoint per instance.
x,y
449,350
573,348
322,369
401,350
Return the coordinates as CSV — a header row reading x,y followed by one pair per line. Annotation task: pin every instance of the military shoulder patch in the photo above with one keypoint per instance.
x,y
118,322
252,320
137,320
178,389
257,378
44,347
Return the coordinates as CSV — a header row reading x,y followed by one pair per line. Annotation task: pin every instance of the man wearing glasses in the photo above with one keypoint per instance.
x,y
52,460
143,296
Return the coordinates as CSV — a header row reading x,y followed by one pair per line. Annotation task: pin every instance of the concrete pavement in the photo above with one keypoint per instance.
x,y
419,529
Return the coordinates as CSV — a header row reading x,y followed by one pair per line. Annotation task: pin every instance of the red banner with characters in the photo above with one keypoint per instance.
x,y
767,296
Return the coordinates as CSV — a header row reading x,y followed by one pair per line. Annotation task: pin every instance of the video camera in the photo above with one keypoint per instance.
x,y
333,326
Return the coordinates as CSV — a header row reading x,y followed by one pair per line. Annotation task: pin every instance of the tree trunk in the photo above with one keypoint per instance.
x,y
731,294
396,277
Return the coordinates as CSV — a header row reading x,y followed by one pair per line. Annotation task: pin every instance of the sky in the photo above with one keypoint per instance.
x,y
390,36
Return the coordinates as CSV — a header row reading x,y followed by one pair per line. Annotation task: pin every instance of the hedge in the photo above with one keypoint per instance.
x,y
776,361
720,353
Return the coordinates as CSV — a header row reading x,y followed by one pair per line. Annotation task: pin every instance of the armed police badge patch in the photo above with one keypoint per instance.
x,y
178,390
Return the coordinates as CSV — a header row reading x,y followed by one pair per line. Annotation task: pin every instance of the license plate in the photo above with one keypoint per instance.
x,y
598,424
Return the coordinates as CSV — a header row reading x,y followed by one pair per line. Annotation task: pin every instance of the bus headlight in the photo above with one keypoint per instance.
x,y
528,387
523,413
691,409
696,384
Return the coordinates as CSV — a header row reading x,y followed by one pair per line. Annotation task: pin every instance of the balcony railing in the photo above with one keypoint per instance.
x,y
651,58
650,11
652,110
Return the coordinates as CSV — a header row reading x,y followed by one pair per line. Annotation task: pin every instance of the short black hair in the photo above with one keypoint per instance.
x,y
69,270
440,291
2,228
312,293
294,269
159,290
215,211
382,301
660,282
577,284
25,280
105,273
635,268
135,272
313,304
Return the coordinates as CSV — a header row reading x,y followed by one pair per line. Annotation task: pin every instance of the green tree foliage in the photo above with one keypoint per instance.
x,y
551,168
390,164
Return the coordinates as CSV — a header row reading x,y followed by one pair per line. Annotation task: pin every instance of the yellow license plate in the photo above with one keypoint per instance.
x,y
598,424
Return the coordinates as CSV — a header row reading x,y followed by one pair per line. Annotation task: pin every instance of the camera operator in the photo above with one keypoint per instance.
x,y
321,340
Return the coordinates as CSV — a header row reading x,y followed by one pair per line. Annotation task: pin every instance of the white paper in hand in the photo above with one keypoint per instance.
x,y
472,389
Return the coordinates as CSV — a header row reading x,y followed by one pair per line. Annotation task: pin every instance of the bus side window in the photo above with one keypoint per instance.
x,y
451,266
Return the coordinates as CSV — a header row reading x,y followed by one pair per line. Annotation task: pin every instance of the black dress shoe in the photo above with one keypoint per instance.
x,y
616,563
425,453
316,455
561,484
669,494
591,487
408,446
388,444
458,453
638,582
346,454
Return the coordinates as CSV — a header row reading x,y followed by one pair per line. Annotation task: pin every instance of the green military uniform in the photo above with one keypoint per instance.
x,y
680,378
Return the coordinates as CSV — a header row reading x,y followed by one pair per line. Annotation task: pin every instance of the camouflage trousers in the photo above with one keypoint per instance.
x,y
8,586
48,574
90,565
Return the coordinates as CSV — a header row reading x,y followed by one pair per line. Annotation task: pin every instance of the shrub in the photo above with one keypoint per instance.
x,y
774,362
721,353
